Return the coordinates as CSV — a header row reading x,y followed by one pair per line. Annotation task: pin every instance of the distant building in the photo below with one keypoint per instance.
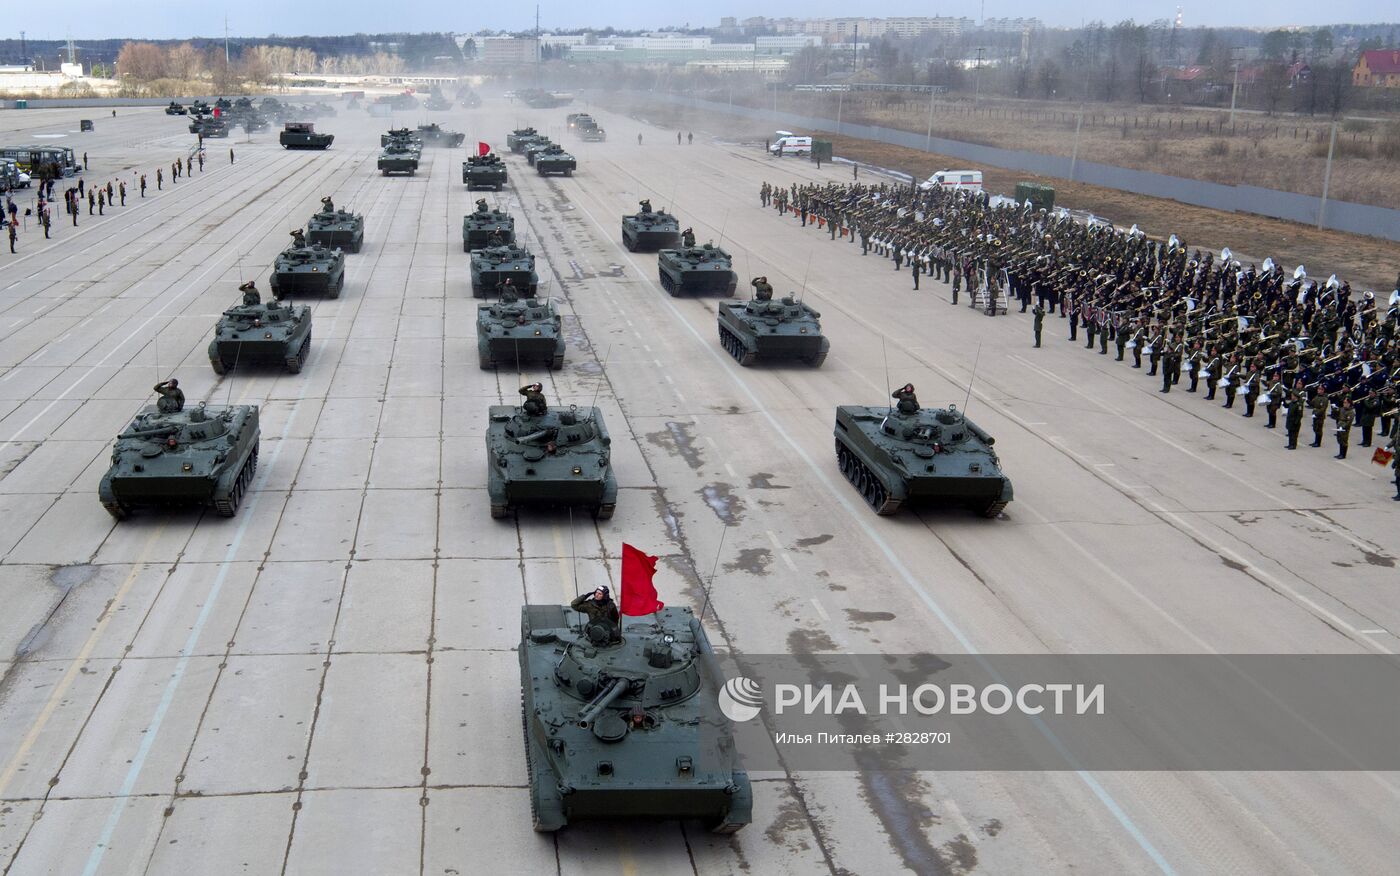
x,y
1011,25
785,45
508,50
1378,68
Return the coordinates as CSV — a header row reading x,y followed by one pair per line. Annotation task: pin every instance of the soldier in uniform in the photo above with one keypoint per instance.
x,y
481,206
1345,417
601,610
1320,405
908,401
327,206
687,237
1038,313
762,290
645,204
299,239
1395,449
1171,366
1293,420
251,298
172,398
534,404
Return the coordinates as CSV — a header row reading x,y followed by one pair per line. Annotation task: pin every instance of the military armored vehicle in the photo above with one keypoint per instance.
x,y
573,119
517,140
493,265
479,226
437,103
260,333
254,121
625,723
223,104
468,99
308,269
548,457
534,148
209,126
398,157
903,454
696,269
784,329
202,456
514,331
174,109
401,135
334,229
553,159
592,133
200,108
484,172
303,135
650,229
434,135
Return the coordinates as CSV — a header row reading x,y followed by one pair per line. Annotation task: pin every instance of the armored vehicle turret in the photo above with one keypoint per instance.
x,y
784,329
543,456
434,135
533,149
517,140
437,103
484,172
494,265
308,269
202,456
259,333
553,159
622,720
696,269
398,157
515,331
209,126
334,228
484,223
650,229
401,135
200,108
901,454
174,109
303,135
254,121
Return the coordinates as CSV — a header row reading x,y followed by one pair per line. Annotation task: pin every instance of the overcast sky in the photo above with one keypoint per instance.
x,y
165,19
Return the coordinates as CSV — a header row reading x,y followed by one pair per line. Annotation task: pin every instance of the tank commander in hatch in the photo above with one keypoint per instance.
x,y
251,298
172,398
908,401
327,206
762,290
481,206
645,204
601,611
299,239
534,404
688,237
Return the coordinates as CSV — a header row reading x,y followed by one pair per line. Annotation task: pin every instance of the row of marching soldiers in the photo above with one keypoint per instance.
x,y
1259,336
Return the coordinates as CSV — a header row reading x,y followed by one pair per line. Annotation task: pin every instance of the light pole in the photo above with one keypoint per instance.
x,y
1236,55
977,79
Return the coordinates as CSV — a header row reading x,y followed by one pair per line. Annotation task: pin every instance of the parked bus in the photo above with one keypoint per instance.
x,y
33,159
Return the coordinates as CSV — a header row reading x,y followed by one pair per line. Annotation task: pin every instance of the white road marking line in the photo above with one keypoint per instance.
x,y
646,347
821,610
782,551
729,468
1374,632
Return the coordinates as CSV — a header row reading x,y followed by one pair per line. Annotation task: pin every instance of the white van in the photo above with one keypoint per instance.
x,y
957,180
788,143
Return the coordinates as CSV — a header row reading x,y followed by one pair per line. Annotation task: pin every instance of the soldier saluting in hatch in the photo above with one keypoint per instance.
x,y
299,239
908,401
481,206
601,610
534,404
326,205
645,204
762,290
172,398
251,298
687,237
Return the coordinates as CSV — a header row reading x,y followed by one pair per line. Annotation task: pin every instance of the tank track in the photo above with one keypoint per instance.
x,y
556,362
735,347
668,285
816,360
993,511
605,511
227,506
865,481
117,510
535,779
500,512
294,363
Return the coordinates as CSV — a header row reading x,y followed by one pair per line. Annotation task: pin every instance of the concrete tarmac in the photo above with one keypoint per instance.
x,y
327,683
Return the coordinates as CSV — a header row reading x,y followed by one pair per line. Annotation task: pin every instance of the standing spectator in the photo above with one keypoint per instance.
x,y
121,188
85,161
230,151
14,234
101,202
160,179
92,201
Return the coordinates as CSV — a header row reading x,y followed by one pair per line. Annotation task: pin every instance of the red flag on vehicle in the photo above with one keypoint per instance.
x,y
218,112
482,148
1380,457
638,593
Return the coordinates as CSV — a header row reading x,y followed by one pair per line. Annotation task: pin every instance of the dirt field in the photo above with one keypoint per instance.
x,y
1367,262
1276,152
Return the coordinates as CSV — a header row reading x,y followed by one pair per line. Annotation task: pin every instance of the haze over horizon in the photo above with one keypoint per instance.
x,y
152,19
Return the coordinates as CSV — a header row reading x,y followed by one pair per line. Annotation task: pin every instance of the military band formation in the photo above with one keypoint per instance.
x,y
1243,335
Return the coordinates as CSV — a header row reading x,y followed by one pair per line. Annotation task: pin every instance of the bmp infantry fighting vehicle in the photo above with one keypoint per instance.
x,y
305,268
302,135
254,332
767,329
434,135
625,723
514,331
492,266
174,109
173,456
481,225
696,269
398,157
908,454
437,103
209,126
591,133
334,228
402,135
517,140
540,456
649,230
553,159
534,148
484,172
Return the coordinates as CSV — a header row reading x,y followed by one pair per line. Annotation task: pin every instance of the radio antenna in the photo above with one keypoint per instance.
x,y
723,530
801,294
883,355
724,224
968,399
602,372
671,204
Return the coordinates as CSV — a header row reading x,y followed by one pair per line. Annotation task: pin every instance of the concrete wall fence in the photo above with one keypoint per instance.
x,y
1337,215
